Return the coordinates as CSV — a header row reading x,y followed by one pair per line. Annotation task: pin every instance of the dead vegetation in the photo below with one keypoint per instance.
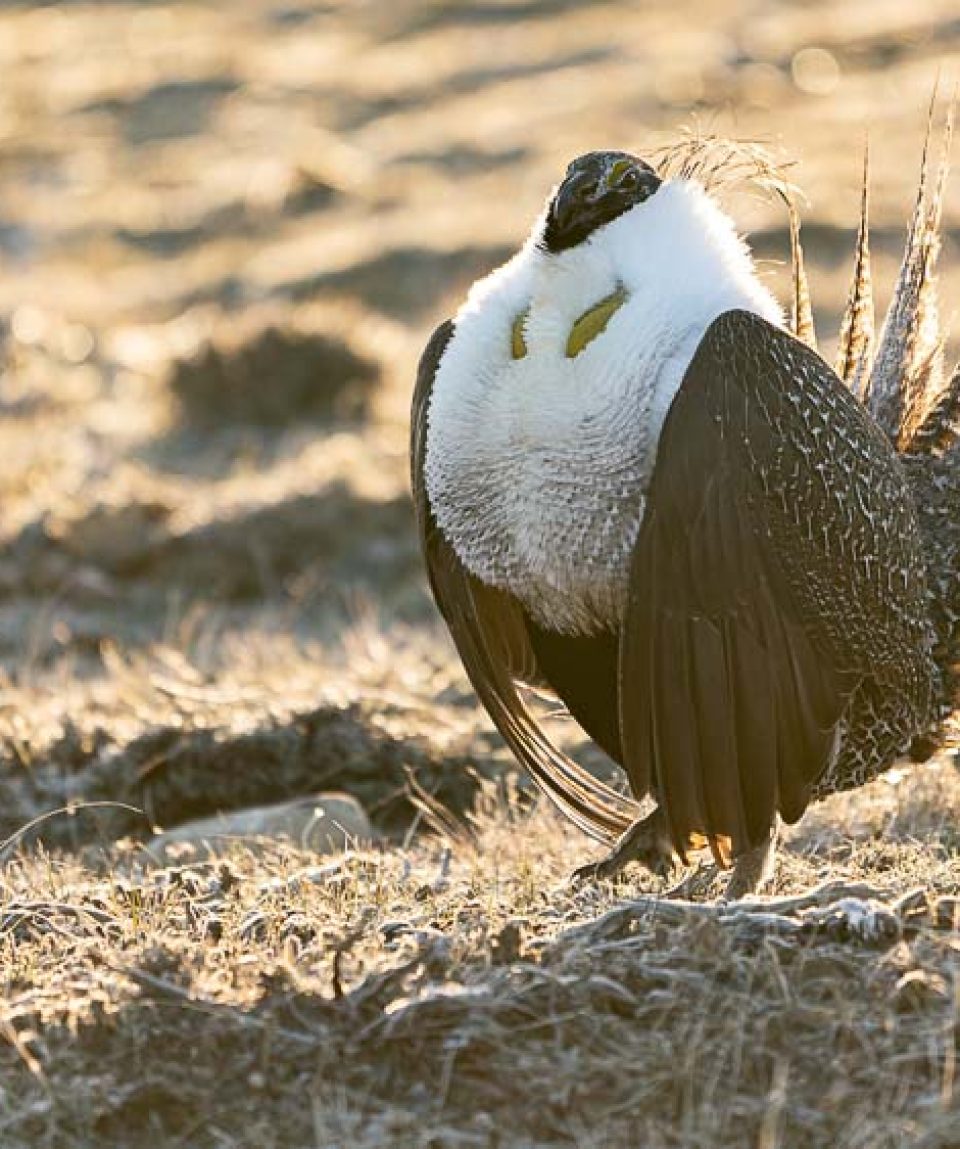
x,y
461,993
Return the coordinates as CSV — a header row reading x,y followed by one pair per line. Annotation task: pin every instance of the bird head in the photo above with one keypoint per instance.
x,y
597,188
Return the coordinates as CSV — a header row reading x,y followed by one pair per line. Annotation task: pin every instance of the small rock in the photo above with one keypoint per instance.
x,y
857,919
325,823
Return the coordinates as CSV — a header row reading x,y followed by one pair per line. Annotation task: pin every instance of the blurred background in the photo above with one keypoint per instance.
x,y
226,232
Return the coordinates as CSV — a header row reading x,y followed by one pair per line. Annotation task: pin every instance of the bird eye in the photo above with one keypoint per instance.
x,y
630,180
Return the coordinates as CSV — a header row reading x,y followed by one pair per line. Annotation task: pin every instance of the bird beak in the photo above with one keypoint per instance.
x,y
575,193
593,193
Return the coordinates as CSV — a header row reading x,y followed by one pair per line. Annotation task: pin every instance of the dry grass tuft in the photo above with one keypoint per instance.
x,y
453,985
438,994
720,162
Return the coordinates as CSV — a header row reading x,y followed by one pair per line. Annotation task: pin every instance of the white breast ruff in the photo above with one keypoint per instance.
x,y
536,468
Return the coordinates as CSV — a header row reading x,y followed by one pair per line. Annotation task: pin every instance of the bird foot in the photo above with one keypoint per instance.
x,y
752,871
646,842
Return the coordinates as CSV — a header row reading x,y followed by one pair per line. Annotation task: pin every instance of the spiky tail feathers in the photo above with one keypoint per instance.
x,y
900,376
901,380
917,403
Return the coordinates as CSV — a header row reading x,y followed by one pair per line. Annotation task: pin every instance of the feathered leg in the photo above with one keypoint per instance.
x,y
646,842
753,870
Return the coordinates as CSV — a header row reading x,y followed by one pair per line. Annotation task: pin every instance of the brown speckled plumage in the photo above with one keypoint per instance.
x,y
935,481
793,618
780,563
852,501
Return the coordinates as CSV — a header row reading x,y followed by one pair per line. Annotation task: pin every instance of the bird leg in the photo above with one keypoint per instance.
x,y
646,842
753,870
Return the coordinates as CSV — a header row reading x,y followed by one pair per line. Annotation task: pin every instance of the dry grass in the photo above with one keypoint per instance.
x,y
463,992
452,987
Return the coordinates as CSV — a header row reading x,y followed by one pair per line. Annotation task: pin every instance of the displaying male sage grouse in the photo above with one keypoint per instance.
x,y
638,490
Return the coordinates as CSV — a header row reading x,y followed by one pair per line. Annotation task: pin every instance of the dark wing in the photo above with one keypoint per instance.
x,y
489,630
778,566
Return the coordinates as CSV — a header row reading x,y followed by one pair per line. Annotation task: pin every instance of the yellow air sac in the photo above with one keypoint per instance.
x,y
594,322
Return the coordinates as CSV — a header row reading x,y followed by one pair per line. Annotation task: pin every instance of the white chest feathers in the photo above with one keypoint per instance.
x,y
539,451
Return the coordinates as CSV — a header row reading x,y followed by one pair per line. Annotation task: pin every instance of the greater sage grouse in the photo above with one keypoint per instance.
x,y
638,489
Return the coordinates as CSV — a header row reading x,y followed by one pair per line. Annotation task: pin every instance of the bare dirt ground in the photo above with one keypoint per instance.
x,y
226,231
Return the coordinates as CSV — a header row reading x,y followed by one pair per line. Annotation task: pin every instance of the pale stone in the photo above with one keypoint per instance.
x,y
324,823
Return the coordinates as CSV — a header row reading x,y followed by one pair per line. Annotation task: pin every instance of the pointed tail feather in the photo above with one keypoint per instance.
x,y
858,327
907,373
930,407
801,311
